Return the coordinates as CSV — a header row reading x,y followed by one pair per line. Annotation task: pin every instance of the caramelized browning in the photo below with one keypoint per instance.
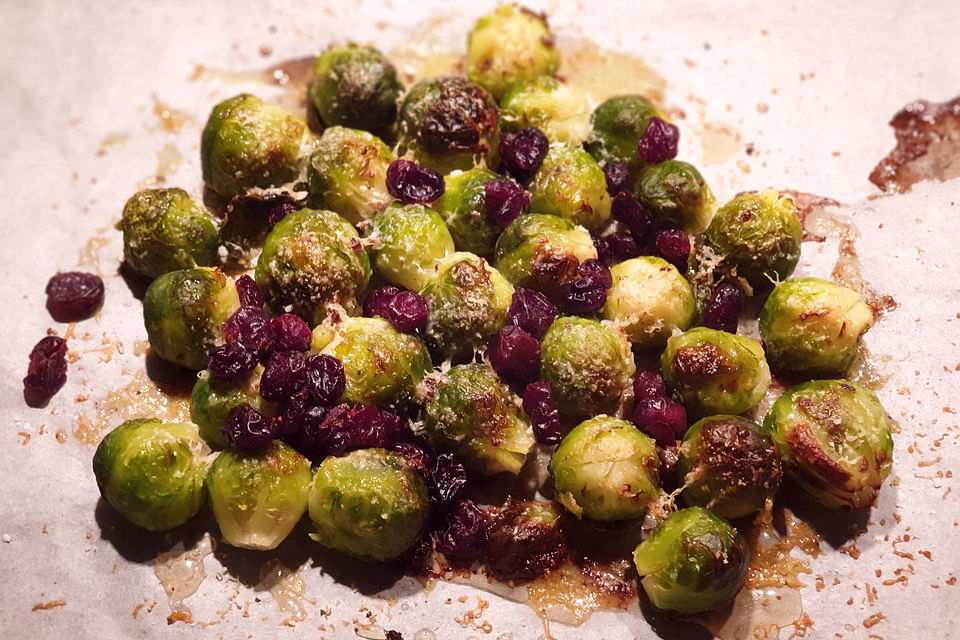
x,y
700,362
809,454
461,119
735,455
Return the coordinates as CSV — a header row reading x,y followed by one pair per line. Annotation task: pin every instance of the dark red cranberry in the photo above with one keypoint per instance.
x,y
723,309
515,355
346,428
249,293
618,176
309,439
447,478
325,378
288,333
412,183
659,141
284,375
649,384
522,152
663,418
291,413
377,301
628,211
588,293
416,457
531,311
673,245
539,406
248,326
231,361
504,201
591,268
247,429
47,371
604,251
74,295
280,211
407,311
462,531
622,246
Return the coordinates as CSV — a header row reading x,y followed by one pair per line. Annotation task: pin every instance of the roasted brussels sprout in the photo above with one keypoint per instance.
x,y
369,504
152,472
166,230
310,259
835,439
525,541
184,312
650,300
676,194
249,145
618,123
606,469
588,364
462,207
693,562
557,109
714,372
410,240
212,399
729,466
571,184
813,327
347,173
474,414
758,237
258,497
468,302
509,45
354,86
449,123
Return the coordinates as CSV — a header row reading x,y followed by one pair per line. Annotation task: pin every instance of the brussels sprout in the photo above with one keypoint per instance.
x,y
310,259
410,241
166,230
618,124
835,440
606,469
462,207
812,326
588,364
729,466
472,413
382,365
258,497
347,173
525,540
677,195
369,504
184,312
557,109
715,372
758,237
448,123
354,86
152,473
572,185
468,302
693,562
249,145
212,399
650,300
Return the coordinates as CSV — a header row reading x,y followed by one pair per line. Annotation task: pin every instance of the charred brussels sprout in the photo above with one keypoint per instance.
x,y
525,541
571,184
166,230
835,439
715,372
560,111
618,123
693,562
258,497
449,123
152,472
589,365
347,173
676,194
354,86
812,326
312,258
650,299
729,466
462,207
249,145
369,504
212,399
606,469
510,45
758,237
410,240
471,412
184,312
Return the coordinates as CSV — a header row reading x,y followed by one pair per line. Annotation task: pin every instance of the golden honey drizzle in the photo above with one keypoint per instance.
x,y
287,589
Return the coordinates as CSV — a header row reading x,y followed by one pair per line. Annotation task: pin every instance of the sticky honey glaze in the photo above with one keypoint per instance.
x,y
287,589
181,572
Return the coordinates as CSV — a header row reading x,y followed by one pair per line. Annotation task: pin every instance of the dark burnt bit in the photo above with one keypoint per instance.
x,y
523,548
700,362
462,118
737,455
809,454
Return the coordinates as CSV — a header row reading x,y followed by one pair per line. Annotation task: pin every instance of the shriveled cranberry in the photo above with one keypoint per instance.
x,y
249,292
288,332
47,371
325,378
462,531
628,211
622,246
280,211
659,141
522,152
531,311
247,429
588,293
377,301
663,418
591,268
649,384
604,250
447,478
291,413
416,457
515,355
231,361
412,183
539,406
618,176
673,245
504,201
284,375
248,326
74,295
310,437
346,428
407,311
723,309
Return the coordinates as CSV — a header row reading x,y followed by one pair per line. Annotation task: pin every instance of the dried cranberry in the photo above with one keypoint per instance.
x,y
288,333
407,311
649,384
447,478
247,429
412,183
377,301
47,371
522,152
539,406
723,309
531,311
673,245
231,361
591,268
588,293
504,201
248,326
325,378
618,176
310,438
659,141
74,295
346,428
515,355
249,293
284,375
416,457
622,246
462,531
604,250
663,418
291,413
628,211
279,212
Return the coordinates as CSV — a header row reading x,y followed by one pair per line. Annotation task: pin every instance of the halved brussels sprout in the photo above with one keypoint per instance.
x,y
410,240
258,497
677,195
835,439
618,124
693,562
606,469
152,472
462,207
714,372
471,412
525,540
557,109
212,399
571,184
369,504
812,326
650,300
184,312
